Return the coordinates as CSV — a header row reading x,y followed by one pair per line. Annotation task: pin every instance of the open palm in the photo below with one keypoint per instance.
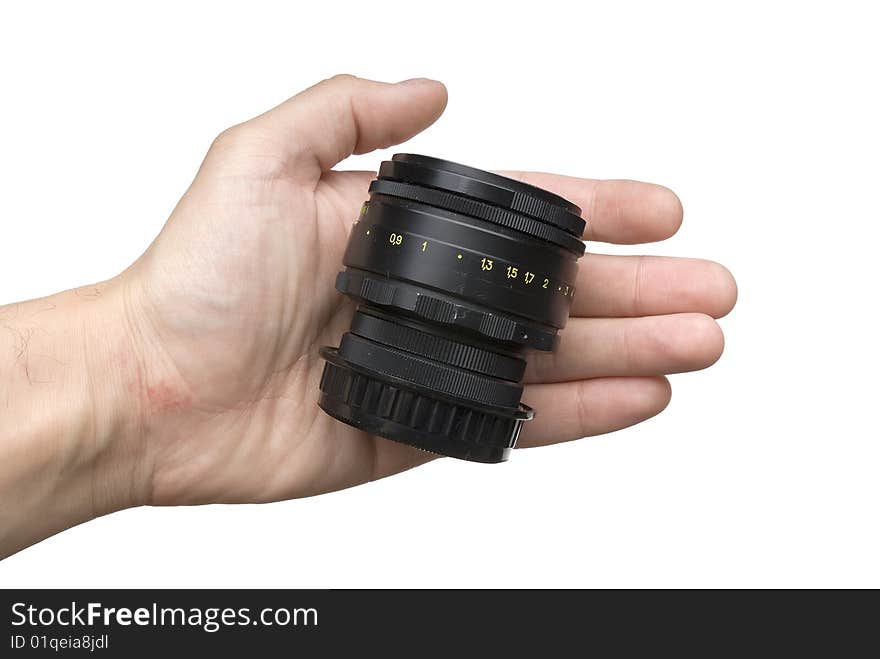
x,y
230,304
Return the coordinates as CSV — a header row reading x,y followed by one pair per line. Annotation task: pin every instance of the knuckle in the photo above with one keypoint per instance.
x,y
344,77
640,276
583,409
339,81
231,138
247,149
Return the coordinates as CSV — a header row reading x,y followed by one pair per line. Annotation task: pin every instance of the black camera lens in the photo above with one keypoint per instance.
x,y
457,272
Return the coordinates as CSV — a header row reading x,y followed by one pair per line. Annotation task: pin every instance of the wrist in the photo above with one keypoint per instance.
x,y
70,449
113,446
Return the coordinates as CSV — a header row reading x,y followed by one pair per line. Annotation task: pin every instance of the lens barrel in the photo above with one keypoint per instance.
x,y
457,272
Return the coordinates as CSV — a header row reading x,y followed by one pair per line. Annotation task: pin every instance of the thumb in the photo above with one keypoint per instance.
x,y
326,123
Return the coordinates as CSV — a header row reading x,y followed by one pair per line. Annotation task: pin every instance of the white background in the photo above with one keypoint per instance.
x,y
762,116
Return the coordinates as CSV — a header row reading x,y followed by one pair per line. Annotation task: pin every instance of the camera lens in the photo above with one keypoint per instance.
x,y
457,272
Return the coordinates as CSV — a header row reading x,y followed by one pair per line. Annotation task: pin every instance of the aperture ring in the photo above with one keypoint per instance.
x,y
472,207
369,325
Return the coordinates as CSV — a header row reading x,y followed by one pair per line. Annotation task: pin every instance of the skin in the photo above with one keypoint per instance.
x,y
192,377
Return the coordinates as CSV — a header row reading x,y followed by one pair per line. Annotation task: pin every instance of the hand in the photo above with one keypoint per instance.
x,y
236,295
212,335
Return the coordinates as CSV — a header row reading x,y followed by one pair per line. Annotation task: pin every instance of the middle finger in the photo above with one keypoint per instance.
x,y
627,286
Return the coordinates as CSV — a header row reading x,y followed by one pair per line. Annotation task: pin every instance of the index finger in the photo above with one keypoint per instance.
x,y
617,211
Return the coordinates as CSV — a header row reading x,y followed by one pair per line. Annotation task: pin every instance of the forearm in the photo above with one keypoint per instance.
x,y
68,418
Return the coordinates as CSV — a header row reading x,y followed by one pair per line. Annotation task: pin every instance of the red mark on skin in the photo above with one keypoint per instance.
x,y
163,397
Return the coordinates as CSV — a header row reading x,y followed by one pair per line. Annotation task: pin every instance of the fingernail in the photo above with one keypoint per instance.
x,y
414,81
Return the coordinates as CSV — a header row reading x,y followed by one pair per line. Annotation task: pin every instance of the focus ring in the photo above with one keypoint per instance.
x,y
387,332
433,307
480,210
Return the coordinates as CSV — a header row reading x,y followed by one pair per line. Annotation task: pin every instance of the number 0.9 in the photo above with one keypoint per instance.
x,y
395,238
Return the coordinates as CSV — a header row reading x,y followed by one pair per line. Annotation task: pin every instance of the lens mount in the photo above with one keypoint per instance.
x,y
400,410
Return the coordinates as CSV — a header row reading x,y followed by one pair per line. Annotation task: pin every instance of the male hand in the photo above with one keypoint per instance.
x,y
216,328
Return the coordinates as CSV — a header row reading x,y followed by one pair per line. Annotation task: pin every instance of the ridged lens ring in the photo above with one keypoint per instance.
x,y
457,272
